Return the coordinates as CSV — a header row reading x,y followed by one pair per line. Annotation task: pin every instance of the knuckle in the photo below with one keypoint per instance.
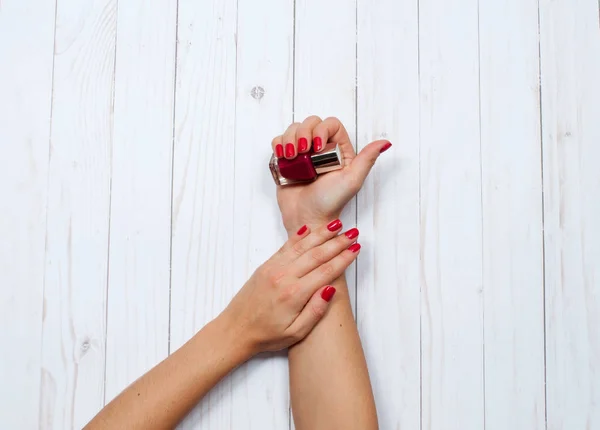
x,y
326,270
276,277
275,140
298,249
317,311
333,119
287,294
313,118
317,255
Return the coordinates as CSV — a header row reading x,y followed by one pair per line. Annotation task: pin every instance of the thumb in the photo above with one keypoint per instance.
x,y
312,313
365,160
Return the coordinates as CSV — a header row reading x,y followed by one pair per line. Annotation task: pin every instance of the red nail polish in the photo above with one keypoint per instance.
x,y
352,233
302,144
289,150
317,144
279,150
334,225
305,167
328,293
354,247
385,147
302,230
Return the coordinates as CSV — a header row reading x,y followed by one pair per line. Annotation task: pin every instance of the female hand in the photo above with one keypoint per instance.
x,y
286,296
323,199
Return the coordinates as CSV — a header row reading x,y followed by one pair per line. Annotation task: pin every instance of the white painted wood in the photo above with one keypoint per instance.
x,y
26,53
451,248
260,389
512,215
203,184
570,54
388,293
140,216
325,75
78,208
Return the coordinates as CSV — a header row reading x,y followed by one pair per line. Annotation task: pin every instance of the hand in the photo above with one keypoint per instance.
x,y
323,199
286,296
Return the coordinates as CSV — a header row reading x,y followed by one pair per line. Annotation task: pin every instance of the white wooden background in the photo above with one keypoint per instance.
x,y
135,199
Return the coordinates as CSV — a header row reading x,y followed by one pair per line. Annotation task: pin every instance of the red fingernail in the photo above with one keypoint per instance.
x,y
328,293
289,150
317,144
385,147
352,233
302,230
279,150
354,247
334,225
302,144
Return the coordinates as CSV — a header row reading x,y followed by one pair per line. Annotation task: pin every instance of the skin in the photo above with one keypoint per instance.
x,y
278,306
329,380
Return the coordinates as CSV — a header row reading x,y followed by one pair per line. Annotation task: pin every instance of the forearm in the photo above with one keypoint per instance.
x,y
329,381
162,397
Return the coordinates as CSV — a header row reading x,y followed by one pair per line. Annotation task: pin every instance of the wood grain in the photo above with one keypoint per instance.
x,y
203,184
140,216
570,54
73,348
388,286
512,215
264,85
451,242
26,53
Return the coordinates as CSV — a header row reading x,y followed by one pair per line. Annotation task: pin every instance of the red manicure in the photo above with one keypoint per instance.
x,y
302,144
334,225
279,150
328,293
354,247
352,233
385,147
317,144
289,150
302,230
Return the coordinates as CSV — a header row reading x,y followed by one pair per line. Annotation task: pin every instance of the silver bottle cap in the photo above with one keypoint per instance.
x,y
329,159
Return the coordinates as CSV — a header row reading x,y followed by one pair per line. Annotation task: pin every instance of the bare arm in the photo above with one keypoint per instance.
x,y
329,381
278,306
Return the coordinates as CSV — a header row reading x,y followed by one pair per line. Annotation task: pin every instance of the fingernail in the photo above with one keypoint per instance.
x,y
289,150
352,233
354,247
334,225
317,144
302,144
385,147
279,150
328,293
302,230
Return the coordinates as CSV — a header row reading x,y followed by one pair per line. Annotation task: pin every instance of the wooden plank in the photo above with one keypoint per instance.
x,y
73,347
325,75
388,294
203,184
570,54
260,389
140,217
512,215
451,248
26,50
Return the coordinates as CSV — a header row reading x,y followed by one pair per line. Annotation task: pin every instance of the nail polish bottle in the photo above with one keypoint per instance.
x,y
306,167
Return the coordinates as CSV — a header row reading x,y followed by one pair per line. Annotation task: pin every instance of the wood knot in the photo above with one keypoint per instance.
x,y
257,92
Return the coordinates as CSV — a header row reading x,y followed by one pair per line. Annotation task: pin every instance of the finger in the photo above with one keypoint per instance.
x,y
327,272
312,313
304,133
277,146
282,256
361,164
321,254
332,130
289,141
294,250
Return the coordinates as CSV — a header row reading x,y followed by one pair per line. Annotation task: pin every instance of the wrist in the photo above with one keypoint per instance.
x,y
233,339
